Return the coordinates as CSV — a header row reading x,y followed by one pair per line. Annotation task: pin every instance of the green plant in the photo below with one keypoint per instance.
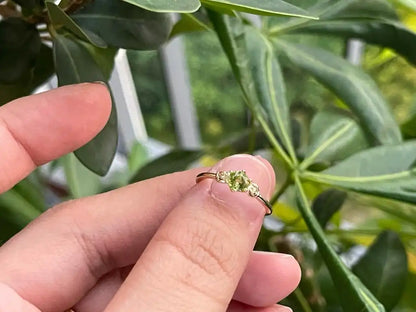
x,y
352,147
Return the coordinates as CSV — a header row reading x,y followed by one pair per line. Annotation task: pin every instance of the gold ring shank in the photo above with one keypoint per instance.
x,y
206,175
213,175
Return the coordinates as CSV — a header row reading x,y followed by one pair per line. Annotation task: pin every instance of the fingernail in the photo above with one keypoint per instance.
x,y
100,82
248,207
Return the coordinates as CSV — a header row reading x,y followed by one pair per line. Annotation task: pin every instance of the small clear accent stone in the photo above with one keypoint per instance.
x,y
223,176
253,190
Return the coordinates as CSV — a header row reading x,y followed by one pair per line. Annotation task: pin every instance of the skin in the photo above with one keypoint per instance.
x,y
165,244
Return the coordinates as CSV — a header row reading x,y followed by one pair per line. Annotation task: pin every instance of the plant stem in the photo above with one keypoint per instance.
x,y
302,300
349,232
252,136
279,193
274,142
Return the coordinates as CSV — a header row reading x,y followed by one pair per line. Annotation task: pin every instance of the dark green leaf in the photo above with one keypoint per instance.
x,y
408,301
176,160
333,136
19,46
351,85
188,23
17,207
60,19
15,213
31,6
98,154
81,181
373,21
75,64
409,128
32,190
104,58
383,269
124,25
354,296
43,69
327,204
386,171
10,92
358,9
182,6
259,76
264,7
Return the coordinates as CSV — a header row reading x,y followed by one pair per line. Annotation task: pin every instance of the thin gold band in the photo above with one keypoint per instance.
x,y
252,188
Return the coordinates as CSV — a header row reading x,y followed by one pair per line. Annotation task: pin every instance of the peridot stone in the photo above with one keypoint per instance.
x,y
238,181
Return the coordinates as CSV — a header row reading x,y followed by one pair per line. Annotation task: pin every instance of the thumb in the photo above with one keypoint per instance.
x,y
195,260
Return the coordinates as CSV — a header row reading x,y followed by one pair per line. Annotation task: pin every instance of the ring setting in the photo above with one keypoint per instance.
x,y
237,181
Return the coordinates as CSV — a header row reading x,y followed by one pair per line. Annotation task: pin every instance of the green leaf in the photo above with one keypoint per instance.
x,y
269,85
123,25
264,7
19,47
354,296
409,128
43,69
29,7
16,212
383,269
259,76
60,19
373,21
18,209
327,204
75,64
182,6
176,160
80,180
104,58
351,85
32,190
386,171
356,9
137,157
188,23
333,136
411,4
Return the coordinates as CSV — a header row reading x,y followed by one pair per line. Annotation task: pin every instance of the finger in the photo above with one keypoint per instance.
x,y
98,298
268,278
42,127
200,251
87,238
91,237
11,301
236,306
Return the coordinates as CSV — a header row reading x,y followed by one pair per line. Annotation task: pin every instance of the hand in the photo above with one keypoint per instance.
x,y
164,244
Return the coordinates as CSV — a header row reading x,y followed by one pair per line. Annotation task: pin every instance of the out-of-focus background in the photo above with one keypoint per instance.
x,y
183,101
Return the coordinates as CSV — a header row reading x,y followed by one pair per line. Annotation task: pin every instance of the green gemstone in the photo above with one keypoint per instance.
x,y
238,181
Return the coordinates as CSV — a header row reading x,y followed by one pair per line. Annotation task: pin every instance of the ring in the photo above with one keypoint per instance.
x,y
237,181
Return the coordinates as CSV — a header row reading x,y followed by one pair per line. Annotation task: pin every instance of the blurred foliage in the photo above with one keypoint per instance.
x,y
345,199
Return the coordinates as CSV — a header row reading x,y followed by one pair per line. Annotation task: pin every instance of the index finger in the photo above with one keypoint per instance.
x,y
39,128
